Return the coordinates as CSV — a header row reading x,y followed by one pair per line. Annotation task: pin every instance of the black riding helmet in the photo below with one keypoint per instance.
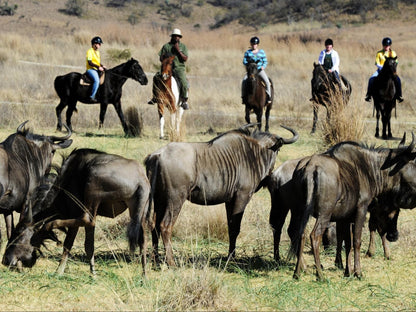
x,y
386,42
96,40
255,40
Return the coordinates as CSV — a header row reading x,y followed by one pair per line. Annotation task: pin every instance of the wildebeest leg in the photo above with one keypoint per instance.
x,y
62,104
372,226
234,217
8,219
89,246
300,265
315,117
68,243
277,219
386,247
316,238
120,114
358,227
344,234
340,239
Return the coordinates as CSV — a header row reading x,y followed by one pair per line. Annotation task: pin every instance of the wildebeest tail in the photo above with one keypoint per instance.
x,y
300,218
152,168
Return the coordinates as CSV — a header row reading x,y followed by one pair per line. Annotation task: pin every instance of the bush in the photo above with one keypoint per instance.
x,y
75,7
6,9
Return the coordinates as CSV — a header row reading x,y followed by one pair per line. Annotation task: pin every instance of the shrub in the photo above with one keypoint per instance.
x,y
74,7
6,9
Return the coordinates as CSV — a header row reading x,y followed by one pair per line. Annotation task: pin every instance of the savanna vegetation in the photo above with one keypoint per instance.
x,y
40,41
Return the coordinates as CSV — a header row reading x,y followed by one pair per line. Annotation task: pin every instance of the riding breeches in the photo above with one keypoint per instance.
x,y
93,74
183,83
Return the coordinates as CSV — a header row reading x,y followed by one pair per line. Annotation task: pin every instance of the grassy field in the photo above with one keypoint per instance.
x,y
39,44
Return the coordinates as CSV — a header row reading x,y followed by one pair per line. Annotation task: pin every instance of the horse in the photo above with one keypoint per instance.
x,y
166,92
383,91
70,91
326,91
255,97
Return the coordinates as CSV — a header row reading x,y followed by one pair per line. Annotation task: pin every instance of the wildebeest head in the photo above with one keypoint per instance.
x,y
383,217
23,247
135,71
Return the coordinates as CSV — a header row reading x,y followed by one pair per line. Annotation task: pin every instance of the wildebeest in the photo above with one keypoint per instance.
x,y
383,91
25,159
228,169
89,183
326,91
255,97
70,91
340,184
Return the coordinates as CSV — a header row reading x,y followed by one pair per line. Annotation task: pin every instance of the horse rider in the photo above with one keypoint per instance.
x,y
329,59
380,59
94,66
258,56
177,48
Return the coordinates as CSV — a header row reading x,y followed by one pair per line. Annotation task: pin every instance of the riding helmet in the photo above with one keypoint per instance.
x,y
255,40
96,40
329,42
386,42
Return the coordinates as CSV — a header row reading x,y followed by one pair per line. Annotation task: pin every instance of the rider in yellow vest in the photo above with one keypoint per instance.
x,y
380,59
94,66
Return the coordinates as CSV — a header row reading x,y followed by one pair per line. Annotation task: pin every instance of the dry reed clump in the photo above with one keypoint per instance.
x,y
344,122
193,290
134,121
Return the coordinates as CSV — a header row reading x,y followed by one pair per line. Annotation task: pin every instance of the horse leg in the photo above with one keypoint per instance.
x,y
69,112
179,119
89,246
161,126
247,114
259,115
315,118
267,115
58,111
68,243
103,111
120,114
377,123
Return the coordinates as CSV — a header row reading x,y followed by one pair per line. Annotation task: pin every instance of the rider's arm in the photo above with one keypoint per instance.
x,y
263,60
321,57
335,61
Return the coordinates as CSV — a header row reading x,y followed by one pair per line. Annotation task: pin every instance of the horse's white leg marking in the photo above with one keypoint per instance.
x,y
162,125
176,119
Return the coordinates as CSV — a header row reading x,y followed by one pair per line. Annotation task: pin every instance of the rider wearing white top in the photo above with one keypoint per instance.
x,y
329,58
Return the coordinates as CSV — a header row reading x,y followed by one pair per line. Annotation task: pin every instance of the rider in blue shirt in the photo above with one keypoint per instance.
x,y
259,56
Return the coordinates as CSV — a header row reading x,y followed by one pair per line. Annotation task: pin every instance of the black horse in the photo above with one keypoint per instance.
x,y
255,97
383,90
327,91
70,91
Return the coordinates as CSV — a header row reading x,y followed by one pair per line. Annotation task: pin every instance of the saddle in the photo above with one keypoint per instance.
x,y
87,81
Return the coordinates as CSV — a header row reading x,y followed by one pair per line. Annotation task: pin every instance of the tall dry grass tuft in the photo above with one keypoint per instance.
x,y
344,122
134,121
194,290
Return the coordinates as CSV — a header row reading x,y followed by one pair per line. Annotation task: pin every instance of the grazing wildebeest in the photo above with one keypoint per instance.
x,y
25,158
383,91
90,183
70,91
326,91
166,94
340,184
228,169
255,97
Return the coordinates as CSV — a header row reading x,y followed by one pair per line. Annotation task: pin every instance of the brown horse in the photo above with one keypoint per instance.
x,y
166,92
255,97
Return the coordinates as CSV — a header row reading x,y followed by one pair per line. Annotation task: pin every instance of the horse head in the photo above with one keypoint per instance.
x,y
390,66
167,65
135,71
252,70
319,76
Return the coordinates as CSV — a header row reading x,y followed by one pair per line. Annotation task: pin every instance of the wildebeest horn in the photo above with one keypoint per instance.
x,y
293,139
55,138
401,144
22,126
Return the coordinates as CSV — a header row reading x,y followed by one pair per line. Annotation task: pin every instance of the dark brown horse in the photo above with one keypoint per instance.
x,y
255,97
166,92
383,91
327,91
70,91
